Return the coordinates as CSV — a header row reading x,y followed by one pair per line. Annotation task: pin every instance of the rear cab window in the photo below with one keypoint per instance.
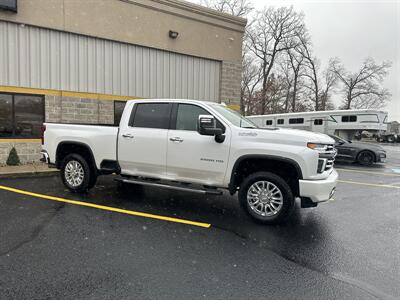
x,y
151,115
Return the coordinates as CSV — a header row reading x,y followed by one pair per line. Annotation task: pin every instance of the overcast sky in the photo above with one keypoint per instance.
x,y
353,30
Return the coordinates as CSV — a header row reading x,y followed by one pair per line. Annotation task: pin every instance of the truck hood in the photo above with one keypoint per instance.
x,y
291,135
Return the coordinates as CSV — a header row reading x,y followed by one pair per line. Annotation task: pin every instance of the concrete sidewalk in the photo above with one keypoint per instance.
x,y
26,170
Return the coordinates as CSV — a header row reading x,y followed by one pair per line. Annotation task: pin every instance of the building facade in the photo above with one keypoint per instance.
x,y
76,61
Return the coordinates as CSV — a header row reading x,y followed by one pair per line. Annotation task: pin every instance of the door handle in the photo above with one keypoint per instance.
x,y
129,136
176,140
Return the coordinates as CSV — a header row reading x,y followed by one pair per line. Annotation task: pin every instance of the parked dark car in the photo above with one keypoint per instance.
x,y
362,153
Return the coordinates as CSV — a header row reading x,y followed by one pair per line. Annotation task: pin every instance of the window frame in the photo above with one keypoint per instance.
x,y
134,111
269,122
280,122
43,110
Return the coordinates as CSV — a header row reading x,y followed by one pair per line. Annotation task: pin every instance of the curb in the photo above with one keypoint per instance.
x,y
29,174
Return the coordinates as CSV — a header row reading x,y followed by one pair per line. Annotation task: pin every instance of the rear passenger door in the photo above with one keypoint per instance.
x,y
193,157
142,145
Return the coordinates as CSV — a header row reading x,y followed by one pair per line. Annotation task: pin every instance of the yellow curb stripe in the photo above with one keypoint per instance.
x,y
107,208
368,172
370,184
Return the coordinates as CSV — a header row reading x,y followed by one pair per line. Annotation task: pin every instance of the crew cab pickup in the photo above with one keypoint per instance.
x,y
200,147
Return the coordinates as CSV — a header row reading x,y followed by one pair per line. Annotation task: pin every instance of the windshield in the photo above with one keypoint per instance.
x,y
234,117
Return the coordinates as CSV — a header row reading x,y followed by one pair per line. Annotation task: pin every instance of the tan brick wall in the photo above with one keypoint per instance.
x,y
106,112
231,75
53,109
28,152
78,110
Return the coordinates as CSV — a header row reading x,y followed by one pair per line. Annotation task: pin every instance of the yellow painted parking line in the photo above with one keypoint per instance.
x,y
370,184
108,208
368,172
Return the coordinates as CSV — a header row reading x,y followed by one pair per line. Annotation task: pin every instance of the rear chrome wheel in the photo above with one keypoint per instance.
x,y
74,173
265,198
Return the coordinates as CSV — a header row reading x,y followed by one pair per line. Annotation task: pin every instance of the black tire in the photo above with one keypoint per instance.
x,y
93,180
365,158
286,192
390,139
88,177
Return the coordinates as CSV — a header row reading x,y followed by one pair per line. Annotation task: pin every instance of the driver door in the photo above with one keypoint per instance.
x,y
193,157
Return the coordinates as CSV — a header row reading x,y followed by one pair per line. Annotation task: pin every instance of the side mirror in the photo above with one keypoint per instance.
x,y
207,125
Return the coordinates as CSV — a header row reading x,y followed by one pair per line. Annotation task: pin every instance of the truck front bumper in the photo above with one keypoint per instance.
x,y
319,190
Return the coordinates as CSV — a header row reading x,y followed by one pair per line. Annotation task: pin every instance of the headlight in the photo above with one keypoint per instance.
x,y
318,147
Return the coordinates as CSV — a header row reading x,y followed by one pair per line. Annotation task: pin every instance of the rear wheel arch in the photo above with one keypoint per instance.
x,y
249,164
70,147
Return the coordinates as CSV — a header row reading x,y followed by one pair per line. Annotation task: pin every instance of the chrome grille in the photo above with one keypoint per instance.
x,y
326,158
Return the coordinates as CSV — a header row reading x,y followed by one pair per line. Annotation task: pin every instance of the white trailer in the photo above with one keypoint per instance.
x,y
344,123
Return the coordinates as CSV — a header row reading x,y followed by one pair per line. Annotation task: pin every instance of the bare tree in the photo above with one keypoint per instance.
x,y
287,75
239,8
330,80
311,68
295,59
363,89
274,31
251,77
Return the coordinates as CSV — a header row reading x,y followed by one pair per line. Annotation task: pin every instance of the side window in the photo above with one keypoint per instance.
x,y
152,115
281,121
296,121
268,122
349,118
187,116
318,122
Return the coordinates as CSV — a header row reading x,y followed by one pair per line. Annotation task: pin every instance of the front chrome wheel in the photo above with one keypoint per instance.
x,y
265,198
74,173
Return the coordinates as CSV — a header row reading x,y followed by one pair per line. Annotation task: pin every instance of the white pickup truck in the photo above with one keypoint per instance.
x,y
199,147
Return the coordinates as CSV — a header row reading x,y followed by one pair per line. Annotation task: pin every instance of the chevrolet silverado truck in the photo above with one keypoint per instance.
x,y
200,147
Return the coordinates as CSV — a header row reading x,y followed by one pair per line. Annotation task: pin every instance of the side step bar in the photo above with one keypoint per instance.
x,y
171,187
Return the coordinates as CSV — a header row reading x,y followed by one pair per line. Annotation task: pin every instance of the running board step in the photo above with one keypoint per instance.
x,y
171,187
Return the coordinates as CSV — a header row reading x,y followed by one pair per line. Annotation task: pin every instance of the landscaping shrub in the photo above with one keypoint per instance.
x,y
13,158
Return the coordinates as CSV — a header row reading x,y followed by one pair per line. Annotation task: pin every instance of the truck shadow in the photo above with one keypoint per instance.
x,y
305,234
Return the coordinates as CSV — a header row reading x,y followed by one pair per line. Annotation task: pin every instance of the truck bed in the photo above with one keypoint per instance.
x,y
101,139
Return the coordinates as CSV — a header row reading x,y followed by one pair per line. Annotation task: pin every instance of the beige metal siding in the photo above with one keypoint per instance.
x,y
42,58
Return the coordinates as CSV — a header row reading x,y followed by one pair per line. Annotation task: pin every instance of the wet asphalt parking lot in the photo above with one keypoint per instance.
x,y
347,248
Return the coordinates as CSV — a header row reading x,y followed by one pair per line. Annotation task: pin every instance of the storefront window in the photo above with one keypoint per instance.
x,y
118,110
21,116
